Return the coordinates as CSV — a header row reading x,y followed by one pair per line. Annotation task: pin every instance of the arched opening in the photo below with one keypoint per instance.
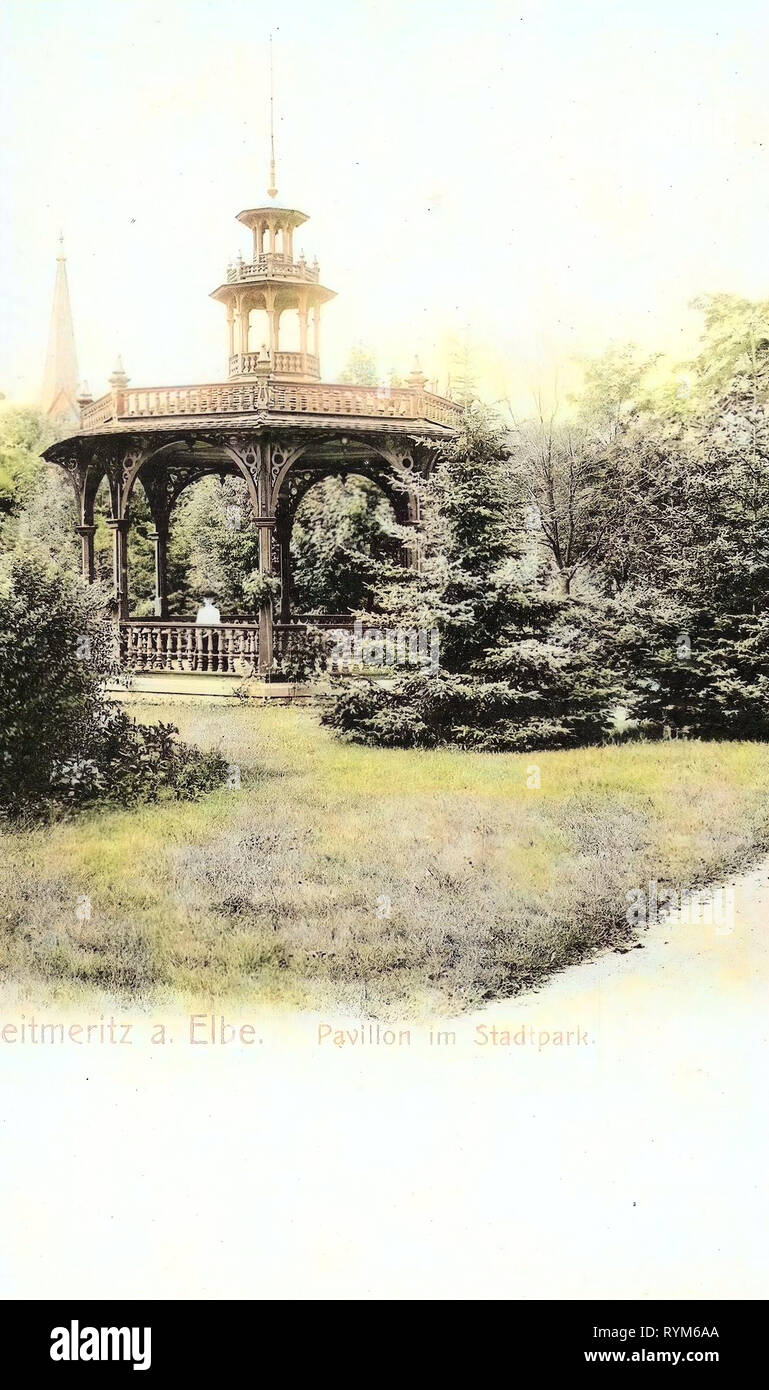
x,y
102,536
159,561
290,336
342,533
213,548
141,556
258,331
185,548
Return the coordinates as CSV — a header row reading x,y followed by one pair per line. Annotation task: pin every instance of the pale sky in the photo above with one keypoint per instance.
x,y
538,178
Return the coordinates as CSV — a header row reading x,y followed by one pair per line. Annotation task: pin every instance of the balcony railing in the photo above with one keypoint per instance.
x,y
232,648
272,266
229,649
226,649
285,364
280,397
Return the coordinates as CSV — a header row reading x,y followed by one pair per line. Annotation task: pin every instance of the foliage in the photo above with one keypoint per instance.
x,y
537,689
600,577
570,470
214,525
24,433
518,664
472,528
61,740
130,762
259,590
53,652
360,369
307,656
734,346
343,532
37,505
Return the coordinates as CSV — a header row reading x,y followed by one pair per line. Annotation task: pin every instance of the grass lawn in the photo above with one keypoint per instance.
x,y
382,882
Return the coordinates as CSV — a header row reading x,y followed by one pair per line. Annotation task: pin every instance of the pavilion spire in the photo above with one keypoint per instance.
x,y
60,383
272,190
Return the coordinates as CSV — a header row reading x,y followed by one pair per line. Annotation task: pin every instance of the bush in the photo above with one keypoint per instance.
x,y
62,741
307,656
129,762
424,711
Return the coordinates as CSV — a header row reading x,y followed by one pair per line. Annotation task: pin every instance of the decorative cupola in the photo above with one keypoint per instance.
x,y
416,376
272,293
118,380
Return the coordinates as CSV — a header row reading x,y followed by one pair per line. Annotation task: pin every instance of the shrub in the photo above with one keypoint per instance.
x,y
423,711
129,762
307,656
544,685
62,741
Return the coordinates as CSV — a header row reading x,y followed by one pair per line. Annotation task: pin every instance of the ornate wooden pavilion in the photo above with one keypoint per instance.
x,y
273,423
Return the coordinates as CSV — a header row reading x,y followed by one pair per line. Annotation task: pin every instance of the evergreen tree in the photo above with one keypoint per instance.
x,y
343,533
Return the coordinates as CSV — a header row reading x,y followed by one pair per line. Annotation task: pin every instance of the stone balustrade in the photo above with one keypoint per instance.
x,y
285,364
272,266
278,397
228,649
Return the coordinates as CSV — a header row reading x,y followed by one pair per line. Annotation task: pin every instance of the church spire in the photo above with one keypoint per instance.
x,y
60,383
272,190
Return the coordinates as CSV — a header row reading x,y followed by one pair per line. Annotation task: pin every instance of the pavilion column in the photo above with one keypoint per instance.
x,y
264,518
411,549
284,541
119,529
231,330
87,559
303,329
266,652
269,304
316,333
407,515
159,537
243,325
